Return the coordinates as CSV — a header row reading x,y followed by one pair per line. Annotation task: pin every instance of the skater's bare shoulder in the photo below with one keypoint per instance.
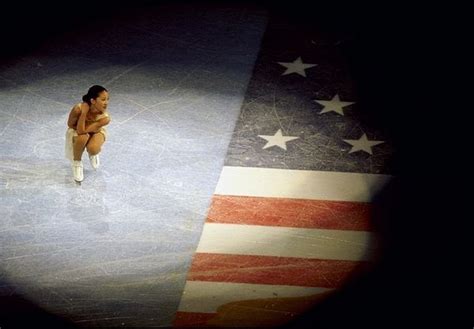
x,y
78,108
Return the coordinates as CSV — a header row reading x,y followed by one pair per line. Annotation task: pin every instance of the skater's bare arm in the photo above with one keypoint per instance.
x,y
81,123
74,116
80,111
95,127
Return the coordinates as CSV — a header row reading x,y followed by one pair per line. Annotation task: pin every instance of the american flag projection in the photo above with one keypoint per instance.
x,y
290,219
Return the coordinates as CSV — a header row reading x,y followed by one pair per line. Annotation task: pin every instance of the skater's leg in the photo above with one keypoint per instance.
x,y
95,143
80,143
93,148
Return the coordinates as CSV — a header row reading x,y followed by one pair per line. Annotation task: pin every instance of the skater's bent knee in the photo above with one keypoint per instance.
x,y
83,136
93,149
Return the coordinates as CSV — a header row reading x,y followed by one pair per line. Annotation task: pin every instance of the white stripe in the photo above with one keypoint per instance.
x,y
300,184
206,297
237,239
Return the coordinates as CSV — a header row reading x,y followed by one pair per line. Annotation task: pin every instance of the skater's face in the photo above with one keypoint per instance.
x,y
101,102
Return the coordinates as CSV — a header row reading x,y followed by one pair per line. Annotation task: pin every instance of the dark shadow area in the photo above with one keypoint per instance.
x,y
24,29
18,312
390,60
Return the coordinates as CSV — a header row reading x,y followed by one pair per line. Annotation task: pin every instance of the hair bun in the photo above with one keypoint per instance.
x,y
93,93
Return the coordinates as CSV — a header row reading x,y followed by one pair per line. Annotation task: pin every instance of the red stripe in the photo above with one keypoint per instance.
x,y
273,270
336,215
191,319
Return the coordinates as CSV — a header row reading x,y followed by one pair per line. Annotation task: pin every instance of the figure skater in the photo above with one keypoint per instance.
x,y
86,122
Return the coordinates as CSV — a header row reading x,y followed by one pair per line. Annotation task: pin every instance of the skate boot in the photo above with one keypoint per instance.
x,y
78,171
95,162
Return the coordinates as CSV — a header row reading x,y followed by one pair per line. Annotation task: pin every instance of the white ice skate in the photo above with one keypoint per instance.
x,y
78,171
95,162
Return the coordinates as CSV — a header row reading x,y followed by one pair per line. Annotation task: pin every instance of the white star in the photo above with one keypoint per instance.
x,y
362,144
334,104
277,140
296,66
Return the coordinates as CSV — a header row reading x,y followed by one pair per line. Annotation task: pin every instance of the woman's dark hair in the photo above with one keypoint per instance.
x,y
93,93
